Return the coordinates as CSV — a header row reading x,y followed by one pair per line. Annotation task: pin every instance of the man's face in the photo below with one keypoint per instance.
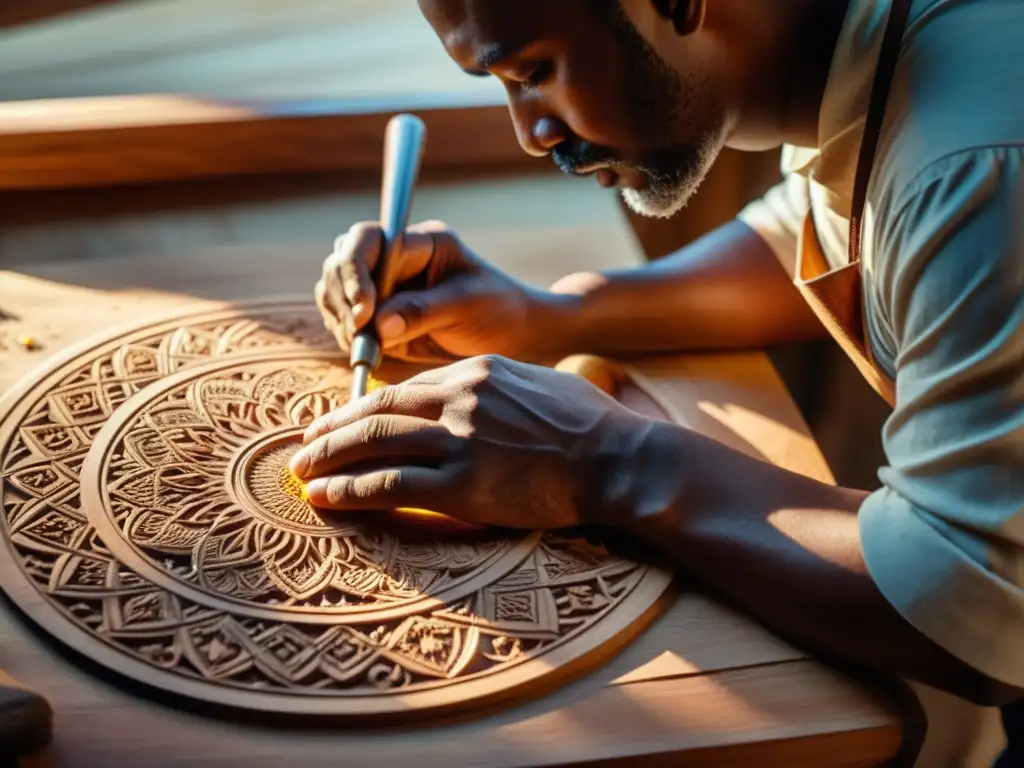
x,y
586,88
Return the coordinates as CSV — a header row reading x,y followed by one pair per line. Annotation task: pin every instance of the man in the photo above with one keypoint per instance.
x,y
924,577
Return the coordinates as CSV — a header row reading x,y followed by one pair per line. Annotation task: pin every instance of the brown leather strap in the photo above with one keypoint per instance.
x,y
899,15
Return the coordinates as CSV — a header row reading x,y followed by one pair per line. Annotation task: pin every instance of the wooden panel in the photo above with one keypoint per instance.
x,y
132,139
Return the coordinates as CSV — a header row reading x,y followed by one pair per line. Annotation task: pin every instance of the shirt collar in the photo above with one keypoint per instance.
x,y
833,163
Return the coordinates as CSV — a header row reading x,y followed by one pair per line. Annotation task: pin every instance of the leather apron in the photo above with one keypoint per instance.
x,y
836,295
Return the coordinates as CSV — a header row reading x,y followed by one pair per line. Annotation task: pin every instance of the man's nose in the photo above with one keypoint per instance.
x,y
538,133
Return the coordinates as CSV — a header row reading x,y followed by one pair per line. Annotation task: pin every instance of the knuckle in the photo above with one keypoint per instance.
x,y
317,429
350,269
339,489
330,268
354,282
359,236
446,239
431,226
320,296
355,292
412,307
464,415
363,229
373,429
389,481
487,364
335,444
384,399
320,450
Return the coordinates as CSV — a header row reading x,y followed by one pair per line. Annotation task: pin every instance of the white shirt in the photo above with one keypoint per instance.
x,y
943,278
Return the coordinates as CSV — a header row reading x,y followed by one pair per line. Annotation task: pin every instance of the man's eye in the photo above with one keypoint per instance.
x,y
540,73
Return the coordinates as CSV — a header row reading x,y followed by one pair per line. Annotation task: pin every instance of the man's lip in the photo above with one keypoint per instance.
x,y
588,170
607,178
605,174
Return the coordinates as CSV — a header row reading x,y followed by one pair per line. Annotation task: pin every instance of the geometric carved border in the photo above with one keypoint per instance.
x,y
344,636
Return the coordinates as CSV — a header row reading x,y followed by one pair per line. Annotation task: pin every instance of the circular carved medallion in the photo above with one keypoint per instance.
x,y
188,484
150,522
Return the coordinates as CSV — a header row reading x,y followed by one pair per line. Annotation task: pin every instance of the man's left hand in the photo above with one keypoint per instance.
x,y
486,440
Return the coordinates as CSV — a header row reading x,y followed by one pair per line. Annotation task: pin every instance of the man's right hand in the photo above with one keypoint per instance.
x,y
449,303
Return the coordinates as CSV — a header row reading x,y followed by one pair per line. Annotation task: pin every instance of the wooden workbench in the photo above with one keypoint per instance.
x,y
703,682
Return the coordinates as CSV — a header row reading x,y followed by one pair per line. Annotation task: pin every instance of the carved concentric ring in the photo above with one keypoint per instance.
x,y
260,482
185,485
177,554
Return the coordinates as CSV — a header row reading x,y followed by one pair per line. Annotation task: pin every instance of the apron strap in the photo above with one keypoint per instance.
x,y
899,16
836,295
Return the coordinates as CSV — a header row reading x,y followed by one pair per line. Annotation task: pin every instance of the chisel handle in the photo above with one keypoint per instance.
x,y
404,141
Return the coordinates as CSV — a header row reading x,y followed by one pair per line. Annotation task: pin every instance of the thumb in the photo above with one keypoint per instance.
x,y
411,314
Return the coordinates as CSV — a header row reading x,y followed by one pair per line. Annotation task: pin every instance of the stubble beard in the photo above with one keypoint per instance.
x,y
666,194
660,98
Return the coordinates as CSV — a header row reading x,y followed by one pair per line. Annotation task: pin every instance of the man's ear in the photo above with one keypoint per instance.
x,y
687,16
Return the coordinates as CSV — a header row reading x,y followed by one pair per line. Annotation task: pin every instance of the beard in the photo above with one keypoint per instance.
x,y
672,179
672,175
654,100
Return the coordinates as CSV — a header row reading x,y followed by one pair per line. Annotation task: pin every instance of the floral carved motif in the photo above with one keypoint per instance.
x,y
147,508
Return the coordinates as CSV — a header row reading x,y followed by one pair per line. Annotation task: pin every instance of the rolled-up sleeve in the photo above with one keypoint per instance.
x,y
944,536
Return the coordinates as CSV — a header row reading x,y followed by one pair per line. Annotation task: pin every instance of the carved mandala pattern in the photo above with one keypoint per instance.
x,y
189,485
183,555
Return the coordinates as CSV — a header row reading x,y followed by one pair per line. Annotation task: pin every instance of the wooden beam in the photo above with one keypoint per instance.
x,y
136,139
19,12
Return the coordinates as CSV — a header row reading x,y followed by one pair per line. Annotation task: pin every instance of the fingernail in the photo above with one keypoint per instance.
x,y
391,326
316,491
299,464
358,310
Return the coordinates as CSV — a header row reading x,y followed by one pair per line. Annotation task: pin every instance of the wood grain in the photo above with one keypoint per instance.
x,y
133,139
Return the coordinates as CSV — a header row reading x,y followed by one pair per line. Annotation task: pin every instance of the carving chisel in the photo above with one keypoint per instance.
x,y
403,152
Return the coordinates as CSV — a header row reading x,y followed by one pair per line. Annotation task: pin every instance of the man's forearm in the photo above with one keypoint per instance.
x,y
725,291
784,548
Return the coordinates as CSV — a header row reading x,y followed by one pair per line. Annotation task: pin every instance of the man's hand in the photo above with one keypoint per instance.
x,y
488,441
450,303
